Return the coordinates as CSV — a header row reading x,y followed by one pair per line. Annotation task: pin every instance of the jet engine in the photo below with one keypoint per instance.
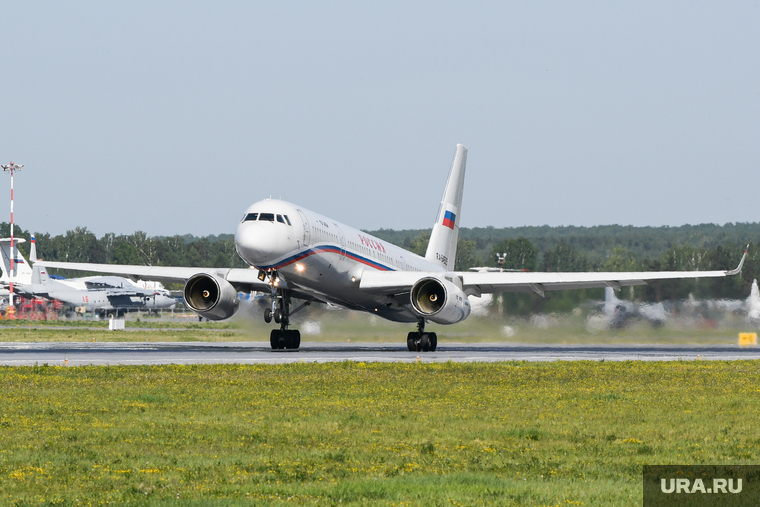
x,y
440,301
211,297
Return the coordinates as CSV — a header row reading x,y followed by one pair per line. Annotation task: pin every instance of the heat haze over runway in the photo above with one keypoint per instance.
x,y
78,354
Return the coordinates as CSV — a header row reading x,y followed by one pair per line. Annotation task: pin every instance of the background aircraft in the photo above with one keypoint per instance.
x,y
618,313
108,294
711,310
296,253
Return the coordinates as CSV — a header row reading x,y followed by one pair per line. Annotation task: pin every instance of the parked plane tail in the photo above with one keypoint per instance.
x,y
39,274
753,303
33,251
754,293
442,247
22,273
611,301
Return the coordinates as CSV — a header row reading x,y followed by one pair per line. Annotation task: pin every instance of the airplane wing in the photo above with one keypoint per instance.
x,y
477,283
401,282
242,279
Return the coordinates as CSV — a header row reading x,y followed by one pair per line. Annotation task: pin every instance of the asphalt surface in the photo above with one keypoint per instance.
x,y
100,353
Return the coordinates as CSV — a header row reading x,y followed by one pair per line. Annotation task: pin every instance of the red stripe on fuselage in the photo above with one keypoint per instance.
x,y
329,250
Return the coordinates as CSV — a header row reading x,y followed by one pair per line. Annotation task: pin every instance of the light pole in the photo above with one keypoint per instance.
x,y
12,168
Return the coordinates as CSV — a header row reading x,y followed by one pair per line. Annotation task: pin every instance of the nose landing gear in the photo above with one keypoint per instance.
x,y
280,311
420,340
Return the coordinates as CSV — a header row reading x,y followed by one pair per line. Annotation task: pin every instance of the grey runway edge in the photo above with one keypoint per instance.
x,y
104,353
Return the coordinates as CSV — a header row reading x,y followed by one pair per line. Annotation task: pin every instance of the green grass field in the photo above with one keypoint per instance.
x,y
344,326
24,334
563,433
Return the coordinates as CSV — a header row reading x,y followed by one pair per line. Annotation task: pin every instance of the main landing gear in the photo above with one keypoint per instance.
x,y
420,340
283,338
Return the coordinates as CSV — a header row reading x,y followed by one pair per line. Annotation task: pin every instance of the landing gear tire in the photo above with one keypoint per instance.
x,y
425,342
285,339
276,339
411,341
432,344
268,315
278,315
292,339
421,342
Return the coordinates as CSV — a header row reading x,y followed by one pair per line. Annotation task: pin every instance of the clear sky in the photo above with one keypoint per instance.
x,y
171,117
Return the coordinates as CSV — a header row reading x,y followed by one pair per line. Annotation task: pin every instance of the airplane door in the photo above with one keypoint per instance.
x,y
403,264
306,228
342,241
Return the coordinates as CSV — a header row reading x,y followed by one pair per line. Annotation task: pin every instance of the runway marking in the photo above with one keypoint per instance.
x,y
156,353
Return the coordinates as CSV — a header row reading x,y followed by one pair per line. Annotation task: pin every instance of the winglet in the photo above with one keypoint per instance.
x,y
741,263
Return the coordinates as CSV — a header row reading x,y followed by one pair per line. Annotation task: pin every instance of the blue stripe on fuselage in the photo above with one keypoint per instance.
x,y
325,249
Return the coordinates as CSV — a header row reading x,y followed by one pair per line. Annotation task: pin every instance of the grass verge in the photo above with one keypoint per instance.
x,y
562,433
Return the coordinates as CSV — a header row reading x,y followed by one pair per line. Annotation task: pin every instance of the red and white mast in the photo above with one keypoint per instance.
x,y
12,168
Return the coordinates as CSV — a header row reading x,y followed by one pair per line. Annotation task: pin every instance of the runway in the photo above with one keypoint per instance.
x,y
102,353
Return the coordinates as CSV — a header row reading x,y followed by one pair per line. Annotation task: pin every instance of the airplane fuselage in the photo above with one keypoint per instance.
x,y
95,300
323,258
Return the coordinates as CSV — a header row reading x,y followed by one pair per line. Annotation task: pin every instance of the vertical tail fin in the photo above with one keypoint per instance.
x,y
754,294
443,240
753,303
610,301
22,273
39,274
33,251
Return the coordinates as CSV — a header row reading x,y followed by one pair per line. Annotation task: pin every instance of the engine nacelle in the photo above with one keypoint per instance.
x,y
211,297
439,300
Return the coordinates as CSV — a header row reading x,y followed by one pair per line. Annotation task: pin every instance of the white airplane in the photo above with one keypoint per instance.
x,y
108,294
618,313
749,307
22,272
296,253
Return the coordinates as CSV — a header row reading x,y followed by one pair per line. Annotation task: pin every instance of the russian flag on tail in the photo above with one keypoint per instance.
x,y
448,219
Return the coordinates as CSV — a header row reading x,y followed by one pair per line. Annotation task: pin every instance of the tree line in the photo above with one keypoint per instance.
x,y
82,245
551,249
597,242
523,254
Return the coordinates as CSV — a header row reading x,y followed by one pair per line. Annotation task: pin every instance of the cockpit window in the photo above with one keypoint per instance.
x,y
280,219
269,217
287,219
250,217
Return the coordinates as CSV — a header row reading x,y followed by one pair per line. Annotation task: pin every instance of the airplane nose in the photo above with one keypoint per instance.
x,y
259,243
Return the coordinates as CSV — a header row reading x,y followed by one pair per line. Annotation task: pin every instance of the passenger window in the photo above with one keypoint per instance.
x,y
250,217
269,217
287,219
280,219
